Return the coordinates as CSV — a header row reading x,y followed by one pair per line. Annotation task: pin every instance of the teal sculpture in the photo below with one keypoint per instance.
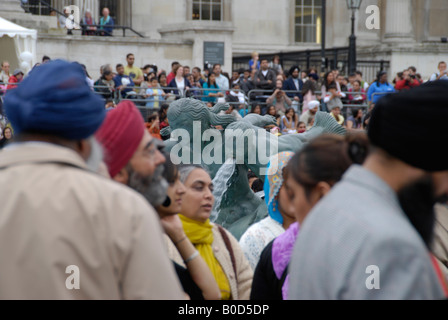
x,y
230,151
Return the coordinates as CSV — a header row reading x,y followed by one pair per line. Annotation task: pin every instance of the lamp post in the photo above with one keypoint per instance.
x,y
324,25
352,5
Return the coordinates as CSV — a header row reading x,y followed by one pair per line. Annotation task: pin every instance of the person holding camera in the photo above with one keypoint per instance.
x,y
279,99
442,74
409,81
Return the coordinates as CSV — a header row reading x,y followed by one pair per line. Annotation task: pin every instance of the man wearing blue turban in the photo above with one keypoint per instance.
x,y
61,221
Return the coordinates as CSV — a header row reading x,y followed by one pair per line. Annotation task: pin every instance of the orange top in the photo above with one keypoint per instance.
x,y
155,132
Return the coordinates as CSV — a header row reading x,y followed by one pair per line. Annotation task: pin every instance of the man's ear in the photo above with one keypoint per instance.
x,y
122,177
323,188
84,148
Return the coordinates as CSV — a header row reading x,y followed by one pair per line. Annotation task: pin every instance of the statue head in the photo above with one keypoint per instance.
x,y
184,112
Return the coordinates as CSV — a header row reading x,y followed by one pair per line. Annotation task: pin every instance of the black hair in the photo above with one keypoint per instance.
x,y
291,70
232,99
254,105
129,54
208,79
270,107
119,66
366,118
107,73
4,130
332,86
251,175
153,117
170,172
85,70
326,83
326,159
355,111
162,115
257,186
160,76
45,58
378,78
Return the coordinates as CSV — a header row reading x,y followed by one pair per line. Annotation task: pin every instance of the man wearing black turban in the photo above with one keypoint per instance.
x,y
66,232
367,239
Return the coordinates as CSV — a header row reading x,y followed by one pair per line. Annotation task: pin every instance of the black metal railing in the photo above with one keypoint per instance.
x,y
335,58
41,7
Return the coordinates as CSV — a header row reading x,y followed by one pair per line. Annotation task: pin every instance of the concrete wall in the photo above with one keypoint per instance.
x,y
148,15
96,51
265,26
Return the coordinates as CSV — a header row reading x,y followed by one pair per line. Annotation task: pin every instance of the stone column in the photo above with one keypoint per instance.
x,y
398,21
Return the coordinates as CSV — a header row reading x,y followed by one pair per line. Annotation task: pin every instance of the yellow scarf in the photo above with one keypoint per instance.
x,y
201,235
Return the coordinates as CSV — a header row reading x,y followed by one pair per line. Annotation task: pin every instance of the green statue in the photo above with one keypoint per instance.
x,y
228,149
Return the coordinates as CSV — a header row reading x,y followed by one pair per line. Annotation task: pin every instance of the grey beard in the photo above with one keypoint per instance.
x,y
96,155
153,188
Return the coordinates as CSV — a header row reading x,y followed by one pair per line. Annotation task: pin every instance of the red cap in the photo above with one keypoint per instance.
x,y
120,135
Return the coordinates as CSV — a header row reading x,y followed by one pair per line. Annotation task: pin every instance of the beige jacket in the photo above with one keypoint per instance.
x,y
56,214
241,289
440,243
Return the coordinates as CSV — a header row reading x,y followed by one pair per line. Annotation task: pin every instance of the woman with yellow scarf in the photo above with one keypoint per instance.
x,y
217,247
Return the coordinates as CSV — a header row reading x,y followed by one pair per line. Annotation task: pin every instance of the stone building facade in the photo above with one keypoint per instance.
x,y
409,33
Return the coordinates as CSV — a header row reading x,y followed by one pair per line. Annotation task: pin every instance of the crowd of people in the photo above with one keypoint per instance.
x,y
91,187
293,97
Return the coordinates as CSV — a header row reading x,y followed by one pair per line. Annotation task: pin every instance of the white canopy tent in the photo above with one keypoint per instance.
x,y
17,45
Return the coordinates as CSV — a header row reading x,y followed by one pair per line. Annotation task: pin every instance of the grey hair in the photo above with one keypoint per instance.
x,y
186,169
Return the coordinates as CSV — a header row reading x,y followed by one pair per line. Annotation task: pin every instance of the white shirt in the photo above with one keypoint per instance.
x,y
265,72
366,85
234,113
296,82
436,75
257,237
240,96
180,84
222,82
90,82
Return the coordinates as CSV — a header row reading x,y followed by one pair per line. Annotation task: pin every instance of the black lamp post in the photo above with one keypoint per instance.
x,y
352,5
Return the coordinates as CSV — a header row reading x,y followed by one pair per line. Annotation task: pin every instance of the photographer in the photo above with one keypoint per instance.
x,y
413,73
442,74
279,99
409,81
